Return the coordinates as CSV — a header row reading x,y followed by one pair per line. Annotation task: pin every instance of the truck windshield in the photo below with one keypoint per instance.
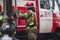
x,y
44,4
55,6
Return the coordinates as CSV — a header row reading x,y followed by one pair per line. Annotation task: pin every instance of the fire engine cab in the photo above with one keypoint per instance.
x,y
48,15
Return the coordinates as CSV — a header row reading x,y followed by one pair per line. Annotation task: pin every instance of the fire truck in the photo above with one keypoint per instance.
x,y
47,15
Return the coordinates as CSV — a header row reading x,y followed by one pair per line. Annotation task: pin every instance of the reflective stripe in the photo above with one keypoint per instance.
x,y
0,33
1,17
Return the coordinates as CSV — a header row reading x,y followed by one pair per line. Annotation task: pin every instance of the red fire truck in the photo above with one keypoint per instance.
x,y
47,15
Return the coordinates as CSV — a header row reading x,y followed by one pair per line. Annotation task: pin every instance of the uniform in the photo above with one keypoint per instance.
x,y
31,25
1,17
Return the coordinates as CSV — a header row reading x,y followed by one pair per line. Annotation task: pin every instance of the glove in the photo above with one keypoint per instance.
x,y
14,32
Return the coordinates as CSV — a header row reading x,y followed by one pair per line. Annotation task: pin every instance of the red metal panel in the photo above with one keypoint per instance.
x,y
0,8
21,22
12,7
23,8
37,14
55,22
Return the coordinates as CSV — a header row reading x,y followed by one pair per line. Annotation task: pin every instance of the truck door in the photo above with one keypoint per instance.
x,y
45,16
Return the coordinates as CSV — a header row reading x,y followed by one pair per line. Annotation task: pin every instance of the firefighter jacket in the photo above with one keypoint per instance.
x,y
30,19
1,17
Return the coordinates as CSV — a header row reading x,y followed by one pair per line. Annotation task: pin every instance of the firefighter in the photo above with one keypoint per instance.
x,y
1,17
31,25
30,19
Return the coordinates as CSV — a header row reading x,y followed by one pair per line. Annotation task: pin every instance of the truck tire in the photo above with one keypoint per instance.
x,y
57,31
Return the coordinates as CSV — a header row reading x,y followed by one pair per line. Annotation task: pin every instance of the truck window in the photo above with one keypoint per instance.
x,y
53,4
42,3
45,4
